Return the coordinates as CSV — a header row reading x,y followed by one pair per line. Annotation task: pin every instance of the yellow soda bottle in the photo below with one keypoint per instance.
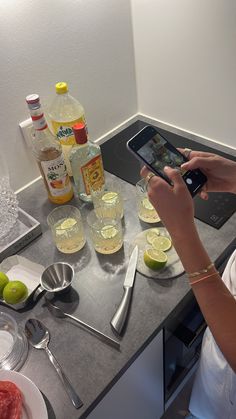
x,y
65,111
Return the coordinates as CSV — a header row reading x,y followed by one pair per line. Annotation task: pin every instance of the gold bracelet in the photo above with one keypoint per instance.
x,y
202,271
202,279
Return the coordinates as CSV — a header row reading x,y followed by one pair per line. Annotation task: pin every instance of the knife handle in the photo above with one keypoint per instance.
x,y
118,320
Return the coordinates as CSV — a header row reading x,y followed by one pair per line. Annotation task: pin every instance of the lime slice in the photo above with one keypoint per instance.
x,y
14,292
109,231
110,197
161,243
68,223
152,234
147,204
154,259
3,282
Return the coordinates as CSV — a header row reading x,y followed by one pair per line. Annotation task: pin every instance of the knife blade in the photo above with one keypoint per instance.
x,y
119,318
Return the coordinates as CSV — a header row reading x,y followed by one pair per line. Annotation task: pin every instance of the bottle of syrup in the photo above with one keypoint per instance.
x,y
48,153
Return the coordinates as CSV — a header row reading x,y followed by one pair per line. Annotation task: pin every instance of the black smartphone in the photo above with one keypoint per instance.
x,y
156,152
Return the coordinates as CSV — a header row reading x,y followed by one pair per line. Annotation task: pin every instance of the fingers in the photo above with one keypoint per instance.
x,y
175,176
197,162
194,153
203,195
144,171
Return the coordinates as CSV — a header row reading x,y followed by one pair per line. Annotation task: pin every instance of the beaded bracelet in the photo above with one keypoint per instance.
x,y
202,271
202,279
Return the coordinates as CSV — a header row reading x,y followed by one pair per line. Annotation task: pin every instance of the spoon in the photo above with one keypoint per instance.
x,y
58,312
38,336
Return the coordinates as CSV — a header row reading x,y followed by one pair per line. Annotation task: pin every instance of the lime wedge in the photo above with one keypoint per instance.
x,y
161,243
110,197
152,234
68,223
154,259
147,204
109,231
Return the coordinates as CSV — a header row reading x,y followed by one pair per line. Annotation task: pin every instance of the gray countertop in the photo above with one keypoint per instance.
x,y
91,365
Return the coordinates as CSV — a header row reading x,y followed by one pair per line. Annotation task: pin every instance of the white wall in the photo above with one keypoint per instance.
x,y
87,43
186,64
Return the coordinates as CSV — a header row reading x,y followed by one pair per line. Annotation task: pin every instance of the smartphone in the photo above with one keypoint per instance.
x,y
153,149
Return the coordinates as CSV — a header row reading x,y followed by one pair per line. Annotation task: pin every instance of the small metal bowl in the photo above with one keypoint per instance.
x,y
57,277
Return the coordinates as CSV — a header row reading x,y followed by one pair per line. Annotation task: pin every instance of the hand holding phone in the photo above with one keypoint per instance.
x,y
149,146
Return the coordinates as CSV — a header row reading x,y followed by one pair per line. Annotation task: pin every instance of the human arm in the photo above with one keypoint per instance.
x,y
175,207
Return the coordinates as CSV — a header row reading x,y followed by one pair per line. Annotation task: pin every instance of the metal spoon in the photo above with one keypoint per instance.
x,y
58,312
38,336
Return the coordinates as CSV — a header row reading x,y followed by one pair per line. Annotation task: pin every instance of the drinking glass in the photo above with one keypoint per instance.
x,y
8,335
67,228
108,197
146,211
106,231
13,343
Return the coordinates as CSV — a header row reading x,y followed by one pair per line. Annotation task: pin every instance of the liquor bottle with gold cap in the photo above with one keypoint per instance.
x,y
48,153
65,111
86,163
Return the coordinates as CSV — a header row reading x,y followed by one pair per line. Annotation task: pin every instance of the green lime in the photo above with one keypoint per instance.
x,y
152,234
3,282
110,197
161,243
68,223
15,292
155,259
109,231
147,204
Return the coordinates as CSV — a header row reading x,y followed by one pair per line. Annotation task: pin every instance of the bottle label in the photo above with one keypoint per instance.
x,y
92,173
64,131
56,176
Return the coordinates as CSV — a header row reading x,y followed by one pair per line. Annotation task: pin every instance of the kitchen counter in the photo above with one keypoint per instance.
x,y
91,365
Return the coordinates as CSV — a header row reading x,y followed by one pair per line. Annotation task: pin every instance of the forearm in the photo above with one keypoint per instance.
x,y
216,302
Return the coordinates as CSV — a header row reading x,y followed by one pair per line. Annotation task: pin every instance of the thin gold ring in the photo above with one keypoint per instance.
x,y
149,177
187,152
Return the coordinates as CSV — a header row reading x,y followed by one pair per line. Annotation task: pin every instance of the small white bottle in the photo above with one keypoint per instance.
x,y
65,111
86,163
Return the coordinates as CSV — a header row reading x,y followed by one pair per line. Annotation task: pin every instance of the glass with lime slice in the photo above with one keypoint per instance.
x,y
146,211
109,198
106,232
67,228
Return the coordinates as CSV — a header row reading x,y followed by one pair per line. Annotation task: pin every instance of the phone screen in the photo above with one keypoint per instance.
x,y
158,155
156,152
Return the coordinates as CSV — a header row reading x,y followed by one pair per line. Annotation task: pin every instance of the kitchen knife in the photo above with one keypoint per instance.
x,y
120,315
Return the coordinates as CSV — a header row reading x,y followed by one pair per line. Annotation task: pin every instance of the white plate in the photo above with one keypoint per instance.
x,y
172,269
33,403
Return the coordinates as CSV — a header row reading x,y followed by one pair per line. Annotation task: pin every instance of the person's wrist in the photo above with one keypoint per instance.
x,y
183,232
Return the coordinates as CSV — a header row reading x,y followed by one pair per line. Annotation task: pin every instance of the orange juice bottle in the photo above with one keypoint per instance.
x,y
65,111
48,153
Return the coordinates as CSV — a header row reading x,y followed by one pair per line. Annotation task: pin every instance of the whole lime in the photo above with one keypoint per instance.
x,y
15,292
3,282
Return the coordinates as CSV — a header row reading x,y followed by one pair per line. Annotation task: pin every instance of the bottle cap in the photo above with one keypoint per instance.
x,y
33,101
61,87
80,133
